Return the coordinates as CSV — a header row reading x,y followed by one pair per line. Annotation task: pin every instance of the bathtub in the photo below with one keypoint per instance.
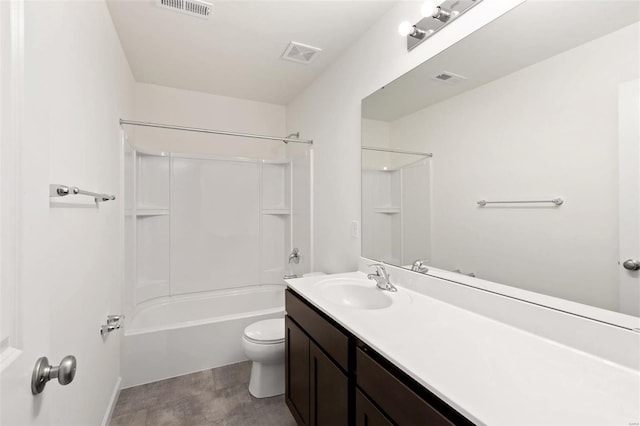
x,y
183,334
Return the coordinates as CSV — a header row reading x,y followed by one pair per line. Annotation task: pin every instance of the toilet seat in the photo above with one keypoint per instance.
x,y
266,332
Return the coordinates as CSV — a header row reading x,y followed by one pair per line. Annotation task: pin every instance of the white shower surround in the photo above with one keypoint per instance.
x,y
179,335
207,240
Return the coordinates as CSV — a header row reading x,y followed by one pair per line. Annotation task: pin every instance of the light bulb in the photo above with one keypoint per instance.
x,y
405,28
429,8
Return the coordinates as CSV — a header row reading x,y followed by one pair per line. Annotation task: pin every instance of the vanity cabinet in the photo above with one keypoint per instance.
x,y
297,389
334,379
316,357
400,403
368,414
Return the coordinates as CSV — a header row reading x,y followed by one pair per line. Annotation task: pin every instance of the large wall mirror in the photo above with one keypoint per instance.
x,y
537,110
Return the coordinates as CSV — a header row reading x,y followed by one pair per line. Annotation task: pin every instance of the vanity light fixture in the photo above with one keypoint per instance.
x,y
431,9
437,14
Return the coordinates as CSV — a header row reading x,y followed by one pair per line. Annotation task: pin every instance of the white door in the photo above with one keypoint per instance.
x,y
24,324
629,173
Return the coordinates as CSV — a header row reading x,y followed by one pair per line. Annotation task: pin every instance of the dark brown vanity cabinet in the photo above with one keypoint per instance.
x,y
368,414
400,403
316,355
297,389
333,379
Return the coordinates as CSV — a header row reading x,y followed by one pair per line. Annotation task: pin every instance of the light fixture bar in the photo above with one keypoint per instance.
x,y
447,12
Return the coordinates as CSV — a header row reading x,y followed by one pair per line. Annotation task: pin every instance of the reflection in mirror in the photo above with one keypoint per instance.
x,y
534,106
396,208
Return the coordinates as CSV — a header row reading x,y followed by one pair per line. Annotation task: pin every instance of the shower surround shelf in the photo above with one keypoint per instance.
x,y
387,210
152,212
277,212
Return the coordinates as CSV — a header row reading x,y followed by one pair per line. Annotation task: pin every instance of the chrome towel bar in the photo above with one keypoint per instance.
x,y
556,201
56,190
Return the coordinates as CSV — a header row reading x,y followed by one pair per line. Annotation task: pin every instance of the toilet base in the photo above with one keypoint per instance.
x,y
266,379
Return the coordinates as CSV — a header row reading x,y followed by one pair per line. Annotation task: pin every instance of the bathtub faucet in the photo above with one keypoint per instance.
x,y
294,257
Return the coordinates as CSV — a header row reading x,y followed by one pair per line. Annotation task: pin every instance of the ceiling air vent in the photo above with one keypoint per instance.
x,y
199,8
449,78
298,52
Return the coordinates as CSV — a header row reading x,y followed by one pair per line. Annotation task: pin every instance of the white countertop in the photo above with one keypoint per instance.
x,y
489,371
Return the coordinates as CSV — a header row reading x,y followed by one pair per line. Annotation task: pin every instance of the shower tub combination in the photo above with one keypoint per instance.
x,y
206,241
179,335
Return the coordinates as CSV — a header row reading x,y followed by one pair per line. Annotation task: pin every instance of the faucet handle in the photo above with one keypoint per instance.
x,y
419,266
378,266
381,271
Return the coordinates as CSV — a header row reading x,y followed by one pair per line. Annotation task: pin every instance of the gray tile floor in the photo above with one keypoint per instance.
x,y
217,397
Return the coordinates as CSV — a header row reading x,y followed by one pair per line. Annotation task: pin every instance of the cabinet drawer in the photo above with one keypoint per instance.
x,y
328,337
398,401
367,414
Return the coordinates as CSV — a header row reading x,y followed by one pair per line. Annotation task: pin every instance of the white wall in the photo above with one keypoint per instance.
x,y
375,133
328,111
77,86
167,105
542,149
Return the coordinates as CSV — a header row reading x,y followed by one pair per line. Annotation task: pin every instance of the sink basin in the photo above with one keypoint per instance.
x,y
353,293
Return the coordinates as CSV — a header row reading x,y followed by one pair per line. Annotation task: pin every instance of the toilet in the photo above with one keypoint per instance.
x,y
263,343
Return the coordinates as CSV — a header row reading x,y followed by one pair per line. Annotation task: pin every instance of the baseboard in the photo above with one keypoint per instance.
x,y
112,402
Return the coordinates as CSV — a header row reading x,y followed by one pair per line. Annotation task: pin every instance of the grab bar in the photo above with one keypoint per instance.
x,y
56,190
556,201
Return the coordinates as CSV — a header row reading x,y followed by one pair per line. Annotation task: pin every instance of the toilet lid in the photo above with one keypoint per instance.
x,y
266,331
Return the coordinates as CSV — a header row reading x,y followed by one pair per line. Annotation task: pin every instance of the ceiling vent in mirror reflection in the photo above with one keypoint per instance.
x,y
449,77
198,8
302,53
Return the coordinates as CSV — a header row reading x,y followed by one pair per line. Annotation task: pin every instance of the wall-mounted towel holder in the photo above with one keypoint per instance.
x,y
56,190
556,201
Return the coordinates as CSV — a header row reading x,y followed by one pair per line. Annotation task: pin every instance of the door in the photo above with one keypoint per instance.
x,y
24,324
297,371
61,257
329,390
629,175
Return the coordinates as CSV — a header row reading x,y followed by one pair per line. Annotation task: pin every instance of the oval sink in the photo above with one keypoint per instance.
x,y
353,293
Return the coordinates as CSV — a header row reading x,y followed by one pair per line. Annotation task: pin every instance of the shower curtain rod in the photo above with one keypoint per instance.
x,y
397,151
215,132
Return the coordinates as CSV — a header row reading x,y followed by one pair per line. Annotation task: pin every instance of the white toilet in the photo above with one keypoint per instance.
x,y
263,343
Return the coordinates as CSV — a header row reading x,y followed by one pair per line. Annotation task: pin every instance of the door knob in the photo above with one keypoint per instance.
x,y
43,372
631,264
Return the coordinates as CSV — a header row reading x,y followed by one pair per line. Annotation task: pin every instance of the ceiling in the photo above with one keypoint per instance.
x,y
236,51
530,33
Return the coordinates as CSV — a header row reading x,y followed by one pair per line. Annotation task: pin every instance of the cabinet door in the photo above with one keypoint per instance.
x,y
367,414
329,391
297,371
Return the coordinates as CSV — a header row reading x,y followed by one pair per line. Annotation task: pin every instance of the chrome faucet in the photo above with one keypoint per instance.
x,y
419,266
381,277
294,256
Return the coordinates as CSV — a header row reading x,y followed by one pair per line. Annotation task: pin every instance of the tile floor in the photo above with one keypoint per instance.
x,y
217,397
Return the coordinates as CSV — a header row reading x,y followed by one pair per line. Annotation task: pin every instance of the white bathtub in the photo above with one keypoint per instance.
x,y
183,334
